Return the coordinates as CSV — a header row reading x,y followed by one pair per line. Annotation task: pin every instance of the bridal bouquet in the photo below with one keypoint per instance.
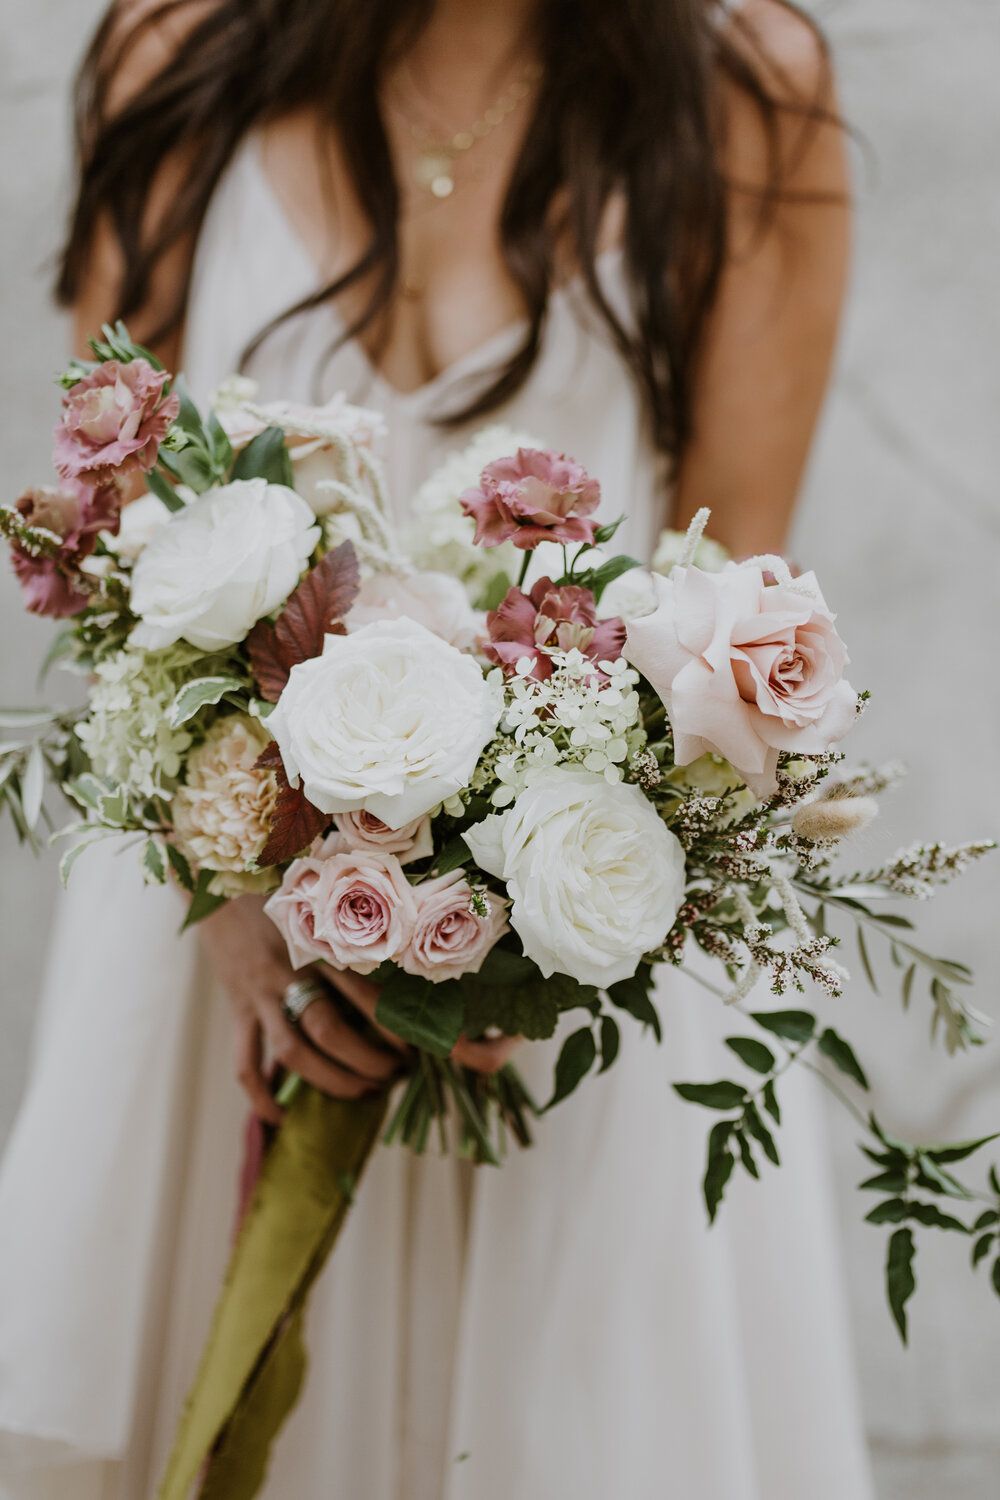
x,y
504,772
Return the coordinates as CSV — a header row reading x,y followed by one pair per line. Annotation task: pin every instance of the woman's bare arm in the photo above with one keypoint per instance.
x,y
769,346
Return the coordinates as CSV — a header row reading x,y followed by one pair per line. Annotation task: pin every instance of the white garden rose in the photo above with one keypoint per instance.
x,y
595,876
390,720
220,564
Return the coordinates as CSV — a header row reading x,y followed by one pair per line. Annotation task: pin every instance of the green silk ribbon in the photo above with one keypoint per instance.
x,y
253,1365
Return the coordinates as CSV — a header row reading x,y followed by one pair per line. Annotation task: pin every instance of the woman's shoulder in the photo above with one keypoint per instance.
x,y
784,43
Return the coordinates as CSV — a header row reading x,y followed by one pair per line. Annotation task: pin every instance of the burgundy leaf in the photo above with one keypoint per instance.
x,y
295,822
319,603
267,660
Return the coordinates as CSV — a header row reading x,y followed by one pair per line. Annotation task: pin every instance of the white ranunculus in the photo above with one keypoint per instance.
x,y
390,720
432,599
221,564
595,876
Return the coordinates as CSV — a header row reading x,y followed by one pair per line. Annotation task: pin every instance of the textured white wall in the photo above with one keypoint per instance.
x,y
902,518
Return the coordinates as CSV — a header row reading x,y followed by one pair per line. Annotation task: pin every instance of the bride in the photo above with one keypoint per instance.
x,y
619,226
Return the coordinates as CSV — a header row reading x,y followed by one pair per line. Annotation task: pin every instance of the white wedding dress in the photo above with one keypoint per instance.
x,y
566,1328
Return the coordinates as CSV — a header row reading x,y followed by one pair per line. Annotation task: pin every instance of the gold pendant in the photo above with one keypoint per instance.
x,y
433,171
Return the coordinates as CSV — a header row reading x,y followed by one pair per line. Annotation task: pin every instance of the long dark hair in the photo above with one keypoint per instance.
x,y
630,102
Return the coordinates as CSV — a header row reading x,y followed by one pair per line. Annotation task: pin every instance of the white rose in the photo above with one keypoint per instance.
x,y
221,564
595,875
390,720
434,600
140,520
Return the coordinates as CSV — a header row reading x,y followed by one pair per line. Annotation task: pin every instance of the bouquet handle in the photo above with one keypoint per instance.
x,y
254,1362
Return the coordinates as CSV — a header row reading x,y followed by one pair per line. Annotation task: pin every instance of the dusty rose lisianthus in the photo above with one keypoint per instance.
x,y
73,516
745,668
353,909
546,619
448,938
114,418
535,496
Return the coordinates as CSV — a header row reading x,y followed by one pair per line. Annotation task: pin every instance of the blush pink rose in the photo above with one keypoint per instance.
x,y
50,581
536,496
448,939
362,830
115,418
745,668
547,619
354,910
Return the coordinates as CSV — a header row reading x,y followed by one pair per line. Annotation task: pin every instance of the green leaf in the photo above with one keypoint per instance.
x,y
180,867
153,862
610,1042
753,1053
981,1248
760,1132
719,1166
931,1215
189,417
721,1095
907,987
892,1211
790,1025
937,1180
190,466
746,1155
266,457
884,1182
959,1150
198,694
203,901
73,853
900,1282
866,962
842,1056
33,786
219,445
579,1052
598,579
427,1015
633,996
995,1277
164,491
994,1181
770,1099
495,591
455,853
988,1217
605,533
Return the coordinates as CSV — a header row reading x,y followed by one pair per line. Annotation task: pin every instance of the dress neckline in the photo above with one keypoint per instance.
x,y
479,357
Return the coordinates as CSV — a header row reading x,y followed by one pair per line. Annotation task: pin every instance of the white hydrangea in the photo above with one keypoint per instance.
x,y
127,733
574,717
439,537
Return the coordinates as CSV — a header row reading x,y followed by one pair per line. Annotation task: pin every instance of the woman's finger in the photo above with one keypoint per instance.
x,y
485,1057
249,1052
363,995
327,1030
293,1052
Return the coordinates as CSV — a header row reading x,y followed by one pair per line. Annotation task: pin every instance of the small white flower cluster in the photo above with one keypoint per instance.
x,y
439,536
575,717
127,733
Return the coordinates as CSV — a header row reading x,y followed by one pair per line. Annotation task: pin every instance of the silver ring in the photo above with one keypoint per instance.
x,y
298,997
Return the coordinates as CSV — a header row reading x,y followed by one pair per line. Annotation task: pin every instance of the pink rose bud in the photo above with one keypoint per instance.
x,y
353,909
547,619
745,668
362,830
115,418
449,939
536,496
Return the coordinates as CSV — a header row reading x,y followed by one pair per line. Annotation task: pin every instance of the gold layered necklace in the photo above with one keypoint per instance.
x,y
433,167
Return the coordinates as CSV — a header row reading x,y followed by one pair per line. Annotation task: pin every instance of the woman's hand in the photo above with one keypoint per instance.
x,y
248,957
249,960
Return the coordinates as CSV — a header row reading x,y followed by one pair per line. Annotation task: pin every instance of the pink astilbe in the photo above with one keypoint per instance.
x,y
114,419
546,619
535,496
